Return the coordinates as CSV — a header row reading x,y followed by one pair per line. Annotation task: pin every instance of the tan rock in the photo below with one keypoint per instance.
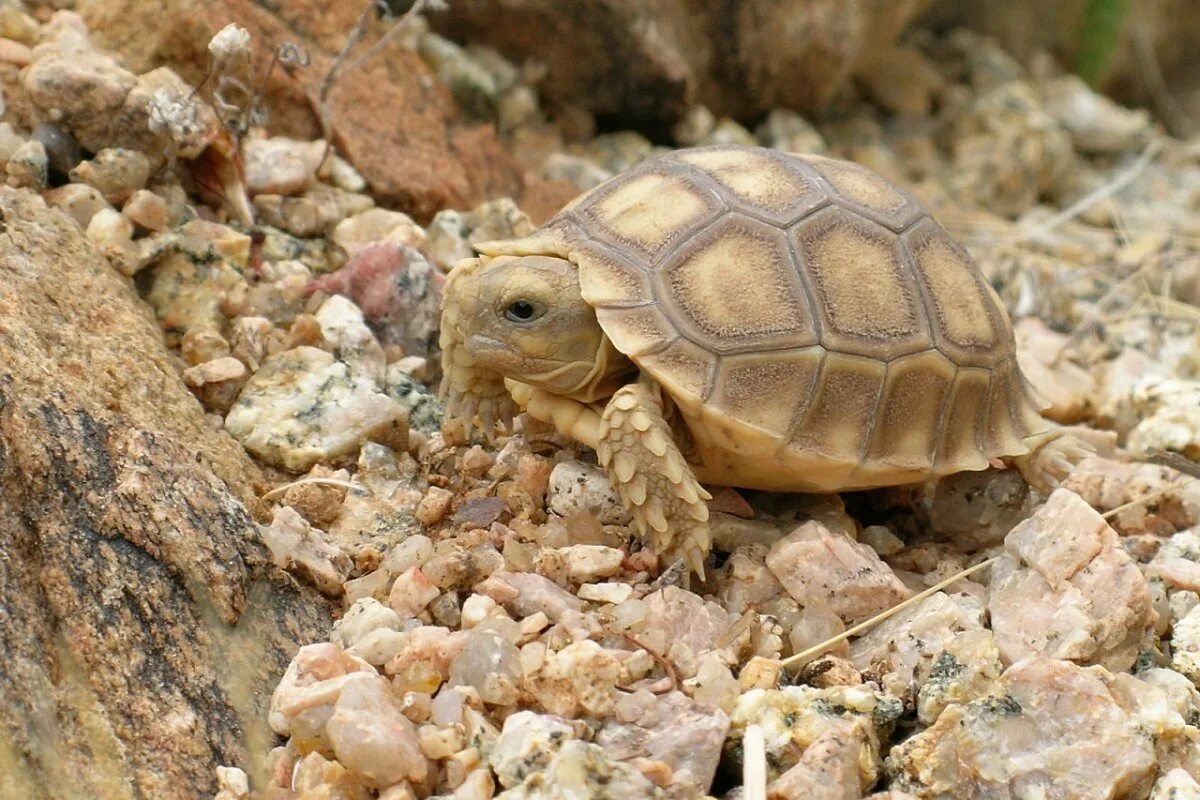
x,y
315,676
146,210
798,56
964,670
1176,785
114,172
78,200
578,488
296,545
901,79
527,593
377,225
411,592
279,165
794,718
371,736
580,679
434,506
143,536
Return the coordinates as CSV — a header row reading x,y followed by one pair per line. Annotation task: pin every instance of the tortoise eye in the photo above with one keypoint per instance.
x,y
522,311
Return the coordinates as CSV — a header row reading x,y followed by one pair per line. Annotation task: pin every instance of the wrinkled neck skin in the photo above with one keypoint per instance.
x,y
569,357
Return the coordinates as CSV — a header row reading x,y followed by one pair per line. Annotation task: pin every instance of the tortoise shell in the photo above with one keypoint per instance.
x,y
816,327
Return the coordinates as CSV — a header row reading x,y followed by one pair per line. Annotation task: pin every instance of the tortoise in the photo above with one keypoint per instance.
x,y
744,317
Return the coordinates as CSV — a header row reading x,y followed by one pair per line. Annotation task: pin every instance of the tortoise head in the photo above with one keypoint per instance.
x,y
522,318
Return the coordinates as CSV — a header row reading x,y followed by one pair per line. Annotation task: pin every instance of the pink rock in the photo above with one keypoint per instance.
x,y
398,292
428,645
1067,387
1067,589
685,619
748,582
677,731
316,677
526,593
280,165
815,564
828,770
296,545
411,592
371,736
1105,484
899,653
1050,728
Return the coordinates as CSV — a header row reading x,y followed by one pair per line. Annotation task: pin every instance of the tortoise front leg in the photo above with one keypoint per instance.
x,y
651,475
571,418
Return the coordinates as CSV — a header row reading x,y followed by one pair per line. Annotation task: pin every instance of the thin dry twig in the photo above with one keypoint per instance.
x,y
336,70
1137,501
278,490
667,667
754,764
1166,105
1176,461
1099,310
805,655
1082,204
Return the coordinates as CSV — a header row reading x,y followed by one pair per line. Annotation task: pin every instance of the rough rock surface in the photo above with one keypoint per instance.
x,y
740,58
144,626
1065,588
815,564
421,161
1050,728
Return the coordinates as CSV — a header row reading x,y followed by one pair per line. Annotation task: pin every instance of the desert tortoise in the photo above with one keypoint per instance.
x,y
743,317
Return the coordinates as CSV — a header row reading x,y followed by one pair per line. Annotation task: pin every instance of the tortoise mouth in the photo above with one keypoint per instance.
x,y
478,345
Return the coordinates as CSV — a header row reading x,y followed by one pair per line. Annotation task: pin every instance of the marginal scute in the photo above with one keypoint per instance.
x,y
760,181
838,420
637,331
648,211
737,285
767,390
867,190
864,289
551,240
1004,427
684,369
967,317
959,449
606,279
909,419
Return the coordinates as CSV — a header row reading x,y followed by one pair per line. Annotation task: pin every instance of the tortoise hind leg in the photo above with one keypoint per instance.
x,y
1052,456
636,446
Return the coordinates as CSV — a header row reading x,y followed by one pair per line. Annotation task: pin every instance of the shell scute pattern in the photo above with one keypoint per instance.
x,y
736,277
759,183
841,254
860,190
768,309
648,210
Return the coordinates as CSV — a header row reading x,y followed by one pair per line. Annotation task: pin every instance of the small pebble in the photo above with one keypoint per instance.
x,y
146,210
117,173
605,592
28,167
